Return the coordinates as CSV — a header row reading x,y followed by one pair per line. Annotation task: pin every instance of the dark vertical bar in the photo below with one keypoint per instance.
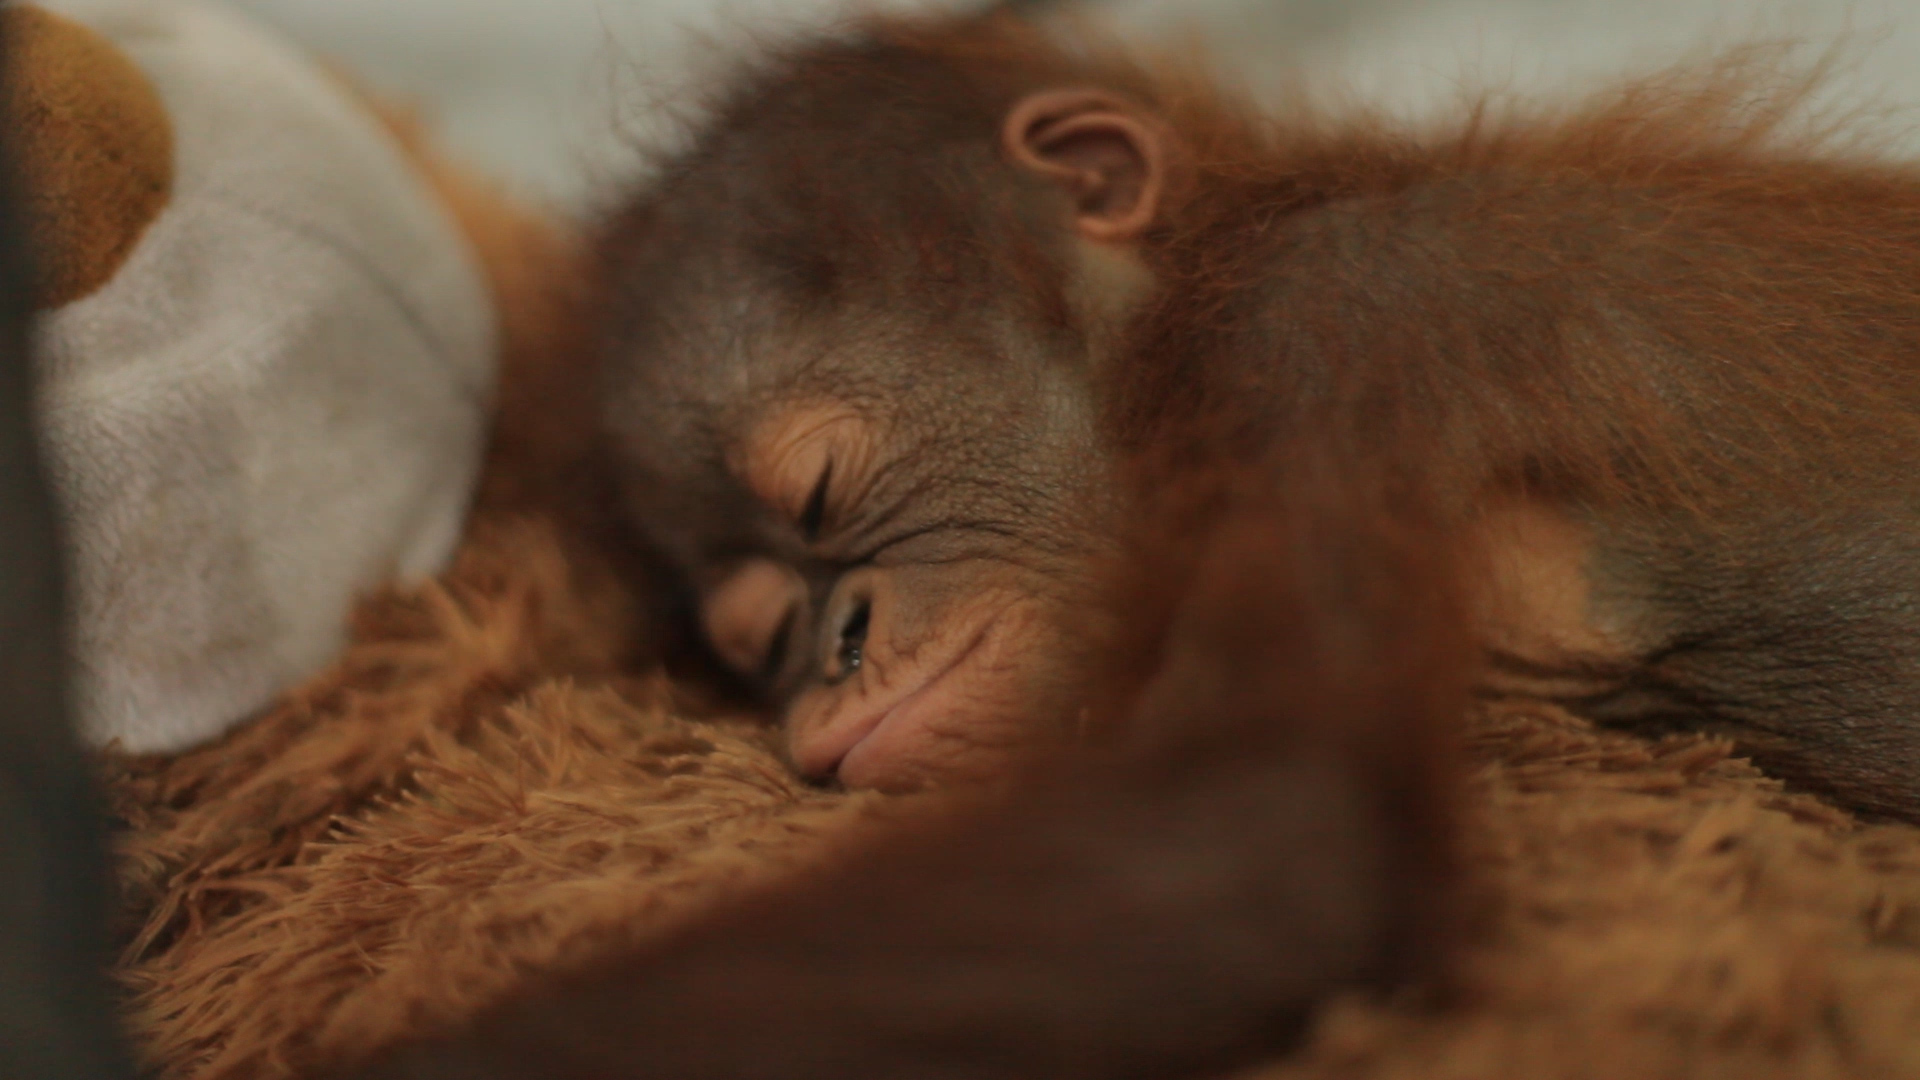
x,y
55,1018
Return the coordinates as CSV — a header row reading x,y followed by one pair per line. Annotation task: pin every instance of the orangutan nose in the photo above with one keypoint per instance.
x,y
751,615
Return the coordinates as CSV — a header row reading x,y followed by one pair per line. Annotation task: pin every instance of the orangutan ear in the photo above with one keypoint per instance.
x,y
1103,151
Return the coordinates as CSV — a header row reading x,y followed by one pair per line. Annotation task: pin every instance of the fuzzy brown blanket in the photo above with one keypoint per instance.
x,y
477,792
482,788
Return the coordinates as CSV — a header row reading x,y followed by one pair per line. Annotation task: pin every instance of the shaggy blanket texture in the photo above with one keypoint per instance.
x,y
482,788
477,792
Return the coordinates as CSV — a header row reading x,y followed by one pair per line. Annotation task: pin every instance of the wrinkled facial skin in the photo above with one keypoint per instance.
x,y
889,525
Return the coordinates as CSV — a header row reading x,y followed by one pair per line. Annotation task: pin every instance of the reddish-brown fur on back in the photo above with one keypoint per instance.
x,y
1708,176
1475,299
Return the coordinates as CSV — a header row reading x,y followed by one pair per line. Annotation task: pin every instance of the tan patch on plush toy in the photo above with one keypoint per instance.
x,y
96,150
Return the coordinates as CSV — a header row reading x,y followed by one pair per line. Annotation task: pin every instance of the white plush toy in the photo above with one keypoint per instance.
x,y
266,356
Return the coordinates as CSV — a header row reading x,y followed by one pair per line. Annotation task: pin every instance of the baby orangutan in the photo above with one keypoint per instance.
x,y
890,347
980,389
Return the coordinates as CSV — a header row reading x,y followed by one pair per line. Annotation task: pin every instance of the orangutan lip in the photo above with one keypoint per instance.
x,y
848,737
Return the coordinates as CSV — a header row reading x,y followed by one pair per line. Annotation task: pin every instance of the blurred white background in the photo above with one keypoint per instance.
x,y
547,94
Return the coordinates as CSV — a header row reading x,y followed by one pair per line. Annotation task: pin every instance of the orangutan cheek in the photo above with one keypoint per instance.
x,y
958,704
973,739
